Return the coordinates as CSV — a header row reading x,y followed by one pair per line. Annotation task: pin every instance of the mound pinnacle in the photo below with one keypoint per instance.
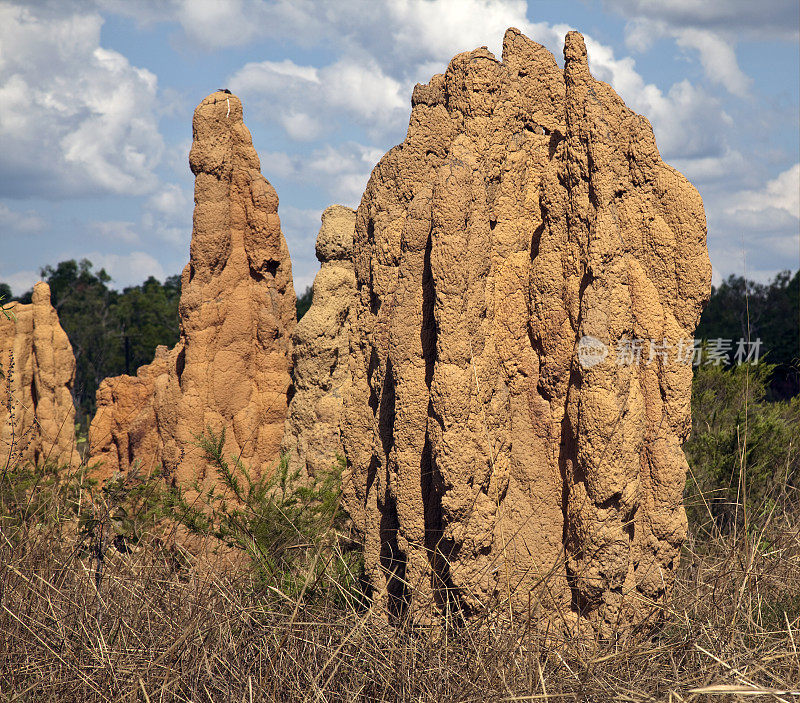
x,y
230,369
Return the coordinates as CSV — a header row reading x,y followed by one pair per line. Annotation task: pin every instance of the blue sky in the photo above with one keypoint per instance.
x,y
96,100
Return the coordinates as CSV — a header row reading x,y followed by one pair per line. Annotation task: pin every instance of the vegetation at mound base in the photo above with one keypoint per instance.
x,y
83,624
743,451
100,601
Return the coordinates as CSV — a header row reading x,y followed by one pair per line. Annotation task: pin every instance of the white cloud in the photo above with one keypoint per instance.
x,y
167,215
776,19
401,31
718,58
218,23
24,223
77,118
781,194
300,126
308,101
712,28
757,231
341,171
171,201
127,269
21,281
711,169
441,29
758,259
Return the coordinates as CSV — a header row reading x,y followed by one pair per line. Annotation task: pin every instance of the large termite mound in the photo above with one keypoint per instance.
x,y
37,414
230,371
526,219
321,348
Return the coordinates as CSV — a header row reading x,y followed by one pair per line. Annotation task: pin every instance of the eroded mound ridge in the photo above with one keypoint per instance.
x,y
321,347
37,414
527,209
230,368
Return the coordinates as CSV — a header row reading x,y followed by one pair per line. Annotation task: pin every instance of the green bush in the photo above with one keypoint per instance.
x,y
743,451
293,530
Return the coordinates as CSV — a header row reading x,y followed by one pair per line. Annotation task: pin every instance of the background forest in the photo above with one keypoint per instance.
x,y
115,332
112,332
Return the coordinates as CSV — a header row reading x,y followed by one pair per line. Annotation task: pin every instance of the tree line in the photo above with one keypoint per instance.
x,y
770,312
115,332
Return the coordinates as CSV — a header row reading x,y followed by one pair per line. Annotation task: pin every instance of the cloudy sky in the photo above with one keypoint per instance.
x,y
96,100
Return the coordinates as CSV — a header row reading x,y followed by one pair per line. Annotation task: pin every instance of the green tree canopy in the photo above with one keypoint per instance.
x,y
741,309
304,302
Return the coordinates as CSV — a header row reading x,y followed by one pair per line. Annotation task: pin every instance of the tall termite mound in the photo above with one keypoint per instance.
x,y
37,414
230,369
527,218
321,347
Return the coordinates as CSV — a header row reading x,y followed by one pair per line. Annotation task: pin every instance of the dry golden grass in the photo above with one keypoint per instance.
x,y
141,626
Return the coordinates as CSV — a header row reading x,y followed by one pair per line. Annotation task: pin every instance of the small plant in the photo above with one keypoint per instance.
x,y
130,506
6,309
29,491
743,451
293,529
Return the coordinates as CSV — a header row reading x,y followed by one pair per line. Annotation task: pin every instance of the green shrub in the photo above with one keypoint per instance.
x,y
743,451
293,530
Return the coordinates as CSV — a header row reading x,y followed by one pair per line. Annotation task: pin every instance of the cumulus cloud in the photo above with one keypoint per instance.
x,y
219,24
77,118
718,58
127,269
116,231
313,100
167,215
716,51
709,170
758,20
20,281
712,28
757,231
781,194
439,30
165,226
